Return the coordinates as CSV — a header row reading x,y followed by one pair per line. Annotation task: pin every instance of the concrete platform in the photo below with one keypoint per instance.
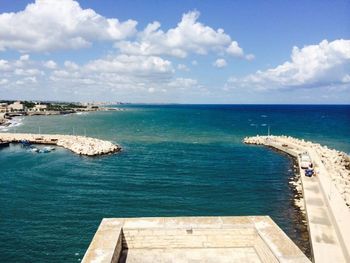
x,y
192,239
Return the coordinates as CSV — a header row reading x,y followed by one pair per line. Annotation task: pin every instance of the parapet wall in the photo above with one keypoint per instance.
x,y
192,239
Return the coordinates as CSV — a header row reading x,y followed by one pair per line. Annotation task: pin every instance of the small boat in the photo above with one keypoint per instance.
x,y
47,149
25,143
34,150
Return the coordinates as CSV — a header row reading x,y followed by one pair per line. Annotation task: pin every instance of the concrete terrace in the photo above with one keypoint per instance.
x,y
78,144
328,216
191,239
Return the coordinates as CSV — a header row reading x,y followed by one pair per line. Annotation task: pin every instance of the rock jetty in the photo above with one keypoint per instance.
x,y
336,162
326,196
78,144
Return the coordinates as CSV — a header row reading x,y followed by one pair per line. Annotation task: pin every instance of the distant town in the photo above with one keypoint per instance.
x,y
11,108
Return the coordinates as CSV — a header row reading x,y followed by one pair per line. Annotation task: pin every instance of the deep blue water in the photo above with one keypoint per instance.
x,y
176,160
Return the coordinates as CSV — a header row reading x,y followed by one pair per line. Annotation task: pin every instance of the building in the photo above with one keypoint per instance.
x,y
16,106
40,107
3,107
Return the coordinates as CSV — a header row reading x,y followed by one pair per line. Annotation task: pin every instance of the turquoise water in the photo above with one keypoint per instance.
x,y
176,160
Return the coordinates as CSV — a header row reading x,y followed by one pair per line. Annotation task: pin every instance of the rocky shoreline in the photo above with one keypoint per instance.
x,y
6,117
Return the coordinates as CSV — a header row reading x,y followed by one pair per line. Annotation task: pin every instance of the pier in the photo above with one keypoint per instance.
x,y
78,144
326,195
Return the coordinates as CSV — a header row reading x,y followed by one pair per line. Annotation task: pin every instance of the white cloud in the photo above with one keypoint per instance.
x,y
134,76
151,90
3,81
234,49
4,65
24,57
183,83
137,65
70,65
189,36
250,57
50,64
28,72
182,67
325,64
48,25
346,78
115,74
220,63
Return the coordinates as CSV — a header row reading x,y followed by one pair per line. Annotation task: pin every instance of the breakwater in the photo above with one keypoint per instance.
x,y
326,195
78,144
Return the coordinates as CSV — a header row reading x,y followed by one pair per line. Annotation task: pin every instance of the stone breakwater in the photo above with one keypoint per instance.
x,y
336,162
326,196
78,144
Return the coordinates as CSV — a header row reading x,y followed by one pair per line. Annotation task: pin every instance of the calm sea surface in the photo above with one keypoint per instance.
x,y
176,160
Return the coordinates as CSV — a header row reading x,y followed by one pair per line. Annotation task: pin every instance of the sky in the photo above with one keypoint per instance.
x,y
162,51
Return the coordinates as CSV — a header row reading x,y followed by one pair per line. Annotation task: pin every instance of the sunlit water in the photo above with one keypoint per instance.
x,y
176,160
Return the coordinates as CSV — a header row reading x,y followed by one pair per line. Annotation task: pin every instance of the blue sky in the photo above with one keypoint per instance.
x,y
196,52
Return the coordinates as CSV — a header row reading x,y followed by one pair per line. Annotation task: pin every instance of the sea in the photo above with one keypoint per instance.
x,y
177,160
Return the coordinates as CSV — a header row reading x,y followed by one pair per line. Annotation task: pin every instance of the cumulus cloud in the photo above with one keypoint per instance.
x,y
24,57
4,65
136,65
250,57
115,74
48,25
182,67
183,83
22,71
324,64
50,64
189,36
3,81
234,49
220,63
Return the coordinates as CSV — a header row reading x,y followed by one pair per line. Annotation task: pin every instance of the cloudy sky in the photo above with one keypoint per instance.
x,y
176,51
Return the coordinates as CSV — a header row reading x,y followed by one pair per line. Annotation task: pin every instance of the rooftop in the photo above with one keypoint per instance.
x,y
192,239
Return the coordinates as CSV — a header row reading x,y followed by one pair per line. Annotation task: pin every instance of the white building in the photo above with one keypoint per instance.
x,y
16,106
3,107
40,107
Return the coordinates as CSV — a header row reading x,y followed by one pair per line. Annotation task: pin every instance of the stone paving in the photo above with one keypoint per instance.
x,y
192,239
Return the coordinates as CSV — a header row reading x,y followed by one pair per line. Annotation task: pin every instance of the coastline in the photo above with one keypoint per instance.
x,y
10,119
